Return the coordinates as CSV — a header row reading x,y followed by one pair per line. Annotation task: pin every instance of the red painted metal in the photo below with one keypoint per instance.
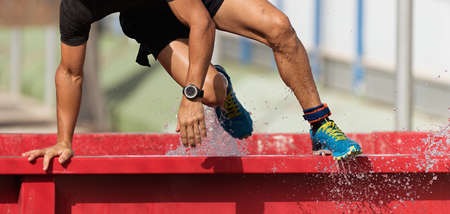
x,y
37,195
258,144
116,173
229,165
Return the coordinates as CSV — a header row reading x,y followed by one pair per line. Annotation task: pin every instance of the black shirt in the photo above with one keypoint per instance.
x,y
76,16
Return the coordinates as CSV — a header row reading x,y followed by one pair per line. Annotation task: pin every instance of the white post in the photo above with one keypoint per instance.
x,y
50,64
404,64
15,60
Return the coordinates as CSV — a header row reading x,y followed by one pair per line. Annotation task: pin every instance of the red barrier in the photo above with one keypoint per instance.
x,y
399,173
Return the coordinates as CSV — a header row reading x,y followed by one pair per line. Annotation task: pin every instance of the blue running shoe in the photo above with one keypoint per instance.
x,y
330,137
233,118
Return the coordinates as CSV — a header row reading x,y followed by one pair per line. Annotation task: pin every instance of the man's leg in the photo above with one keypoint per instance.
x,y
175,60
217,87
261,21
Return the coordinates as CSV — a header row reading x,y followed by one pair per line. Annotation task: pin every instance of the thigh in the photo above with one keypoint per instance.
x,y
249,18
175,60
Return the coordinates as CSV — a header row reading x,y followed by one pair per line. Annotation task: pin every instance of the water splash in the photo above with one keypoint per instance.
x,y
436,144
217,143
366,192
354,191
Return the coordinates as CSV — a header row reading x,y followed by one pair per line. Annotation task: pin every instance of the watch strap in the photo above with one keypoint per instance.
x,y
199,94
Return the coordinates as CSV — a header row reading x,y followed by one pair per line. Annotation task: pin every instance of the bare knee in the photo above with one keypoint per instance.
x,y
282,35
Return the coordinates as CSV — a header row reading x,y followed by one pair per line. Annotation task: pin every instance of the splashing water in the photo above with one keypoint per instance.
x,y
434,146
217,143
385,192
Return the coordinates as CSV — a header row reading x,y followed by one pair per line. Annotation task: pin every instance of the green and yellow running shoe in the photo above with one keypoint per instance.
x,y
330,137
233,117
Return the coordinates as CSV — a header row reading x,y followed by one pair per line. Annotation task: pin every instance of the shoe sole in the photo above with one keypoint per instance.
x,y
353,152
322,152
245,137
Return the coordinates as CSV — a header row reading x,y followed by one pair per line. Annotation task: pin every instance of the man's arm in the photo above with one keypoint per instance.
x,y
201,38
193,13
68,79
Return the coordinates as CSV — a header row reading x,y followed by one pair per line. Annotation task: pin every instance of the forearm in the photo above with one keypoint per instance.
x,y
68,94
201,45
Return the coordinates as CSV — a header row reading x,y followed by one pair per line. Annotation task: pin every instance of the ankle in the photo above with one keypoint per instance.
x,y
316,116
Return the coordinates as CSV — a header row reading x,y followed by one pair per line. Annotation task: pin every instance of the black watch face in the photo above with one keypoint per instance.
x,y
190,92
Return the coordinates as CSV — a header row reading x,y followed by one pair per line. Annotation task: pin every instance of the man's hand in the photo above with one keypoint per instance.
x,y
191,122
63,150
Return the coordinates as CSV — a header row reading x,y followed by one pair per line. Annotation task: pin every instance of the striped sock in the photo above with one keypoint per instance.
x,y
316,116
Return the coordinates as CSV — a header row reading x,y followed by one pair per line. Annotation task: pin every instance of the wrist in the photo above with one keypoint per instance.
x,y
192,92
64,143
186,100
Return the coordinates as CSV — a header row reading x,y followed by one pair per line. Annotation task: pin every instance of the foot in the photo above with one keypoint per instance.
x,y
233,117
330,137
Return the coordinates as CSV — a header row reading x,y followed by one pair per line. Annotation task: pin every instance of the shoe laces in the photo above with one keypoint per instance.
x,y
331,129
230,105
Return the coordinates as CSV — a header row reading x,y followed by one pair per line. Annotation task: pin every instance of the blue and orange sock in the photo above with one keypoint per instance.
x,y
316,116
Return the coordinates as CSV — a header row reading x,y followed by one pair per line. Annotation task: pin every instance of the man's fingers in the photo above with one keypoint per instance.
x,y
198,137
202,128
25,154
190,135
183,136
65,156
178,127
35,154
47,157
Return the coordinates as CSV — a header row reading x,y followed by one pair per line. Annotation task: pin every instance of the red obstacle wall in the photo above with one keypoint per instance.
x,y
399,173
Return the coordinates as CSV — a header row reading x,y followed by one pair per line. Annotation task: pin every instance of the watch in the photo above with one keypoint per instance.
x,y
191,92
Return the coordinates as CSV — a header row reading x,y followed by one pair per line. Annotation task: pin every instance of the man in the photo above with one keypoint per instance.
x,y
278,34
76,16
258,20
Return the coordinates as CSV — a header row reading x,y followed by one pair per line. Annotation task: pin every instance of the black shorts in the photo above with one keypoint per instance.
x,y
76,16
155,29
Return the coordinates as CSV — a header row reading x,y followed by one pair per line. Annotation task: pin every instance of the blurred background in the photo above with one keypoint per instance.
x,y
381,65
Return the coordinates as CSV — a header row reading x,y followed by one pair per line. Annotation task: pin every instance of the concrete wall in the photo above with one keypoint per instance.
x,y
431,32
431,58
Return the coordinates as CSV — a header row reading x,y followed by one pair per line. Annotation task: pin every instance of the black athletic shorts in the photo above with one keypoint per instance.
x,y
155,29
76,16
